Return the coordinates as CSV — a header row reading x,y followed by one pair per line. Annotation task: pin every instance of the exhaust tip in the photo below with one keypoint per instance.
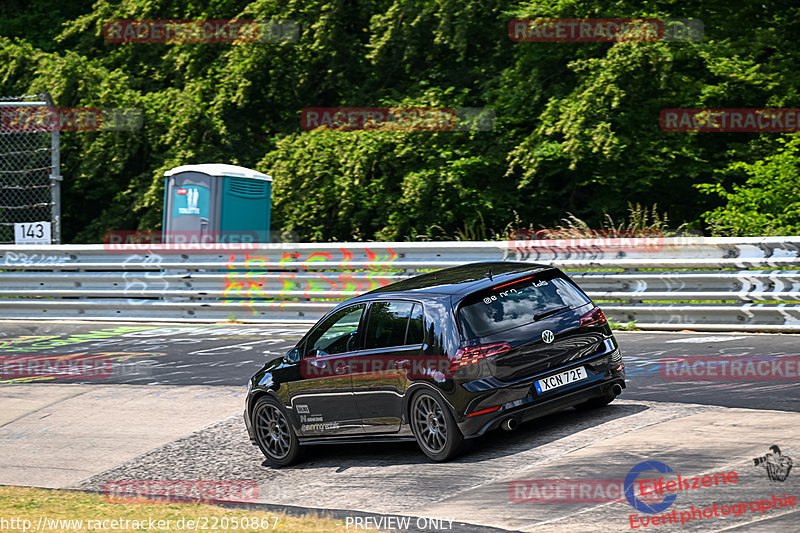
x,y
509,424
616,389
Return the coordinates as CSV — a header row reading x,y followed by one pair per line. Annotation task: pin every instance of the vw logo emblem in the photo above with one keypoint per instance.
x,y
547,336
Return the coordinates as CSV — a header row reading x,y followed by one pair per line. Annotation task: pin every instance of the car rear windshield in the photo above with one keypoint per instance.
x,y
516,303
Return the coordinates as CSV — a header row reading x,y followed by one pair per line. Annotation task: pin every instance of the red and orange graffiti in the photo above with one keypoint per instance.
x,y
299,277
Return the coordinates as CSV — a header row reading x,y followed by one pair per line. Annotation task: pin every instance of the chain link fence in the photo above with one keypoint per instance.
x,y
29,169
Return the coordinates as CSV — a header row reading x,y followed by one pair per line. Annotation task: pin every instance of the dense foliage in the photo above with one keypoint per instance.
x,y
576,126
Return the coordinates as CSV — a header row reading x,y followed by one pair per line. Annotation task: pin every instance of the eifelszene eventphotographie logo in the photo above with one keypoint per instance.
x,y
775,463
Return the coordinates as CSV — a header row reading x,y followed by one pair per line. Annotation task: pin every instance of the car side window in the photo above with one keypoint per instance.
x,y
416,327
337,334
389,324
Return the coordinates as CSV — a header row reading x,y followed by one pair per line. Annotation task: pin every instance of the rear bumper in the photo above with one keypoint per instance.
x,y
531,411
519,400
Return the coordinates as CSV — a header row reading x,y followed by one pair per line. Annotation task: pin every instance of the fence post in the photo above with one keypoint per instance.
x,y
55,175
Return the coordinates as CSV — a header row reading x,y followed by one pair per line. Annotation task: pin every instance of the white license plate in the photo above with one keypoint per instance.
x,y
559,380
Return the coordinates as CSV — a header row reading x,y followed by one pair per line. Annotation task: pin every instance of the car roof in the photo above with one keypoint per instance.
x,y
459,280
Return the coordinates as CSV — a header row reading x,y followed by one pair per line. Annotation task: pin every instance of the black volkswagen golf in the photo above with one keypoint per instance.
x,y
440,358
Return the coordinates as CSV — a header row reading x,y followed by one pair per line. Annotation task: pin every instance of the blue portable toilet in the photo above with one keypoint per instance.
x,y
216,203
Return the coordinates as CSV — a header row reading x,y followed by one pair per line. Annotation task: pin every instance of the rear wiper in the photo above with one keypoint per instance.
x,y
551,312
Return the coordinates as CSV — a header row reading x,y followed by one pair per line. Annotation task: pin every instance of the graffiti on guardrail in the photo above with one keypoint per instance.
x,y
199,284
744,315
21,259
139,283
249,286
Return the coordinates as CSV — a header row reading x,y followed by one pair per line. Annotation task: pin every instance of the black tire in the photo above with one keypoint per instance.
x,y
434,427
274,433
596,403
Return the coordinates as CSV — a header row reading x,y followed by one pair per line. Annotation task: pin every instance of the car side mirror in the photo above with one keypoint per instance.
x,y
350,339
292,356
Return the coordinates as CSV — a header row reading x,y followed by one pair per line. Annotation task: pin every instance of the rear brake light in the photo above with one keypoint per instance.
x,y
472,354
595,316
512,282
484,411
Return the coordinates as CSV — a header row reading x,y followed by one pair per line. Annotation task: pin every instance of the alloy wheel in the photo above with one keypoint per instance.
x,y
429,423
273,431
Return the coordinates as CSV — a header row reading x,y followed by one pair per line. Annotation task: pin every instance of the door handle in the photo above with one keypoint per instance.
x,y
402,363
341,369
318,364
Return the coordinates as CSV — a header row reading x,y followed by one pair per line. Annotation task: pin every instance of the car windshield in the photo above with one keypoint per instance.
x,y
516,303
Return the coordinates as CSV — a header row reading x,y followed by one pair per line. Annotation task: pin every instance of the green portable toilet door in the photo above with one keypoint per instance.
x,y
188,213
245,209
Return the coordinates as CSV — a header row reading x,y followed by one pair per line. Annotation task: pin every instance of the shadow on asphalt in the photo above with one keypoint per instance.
x,y
492,445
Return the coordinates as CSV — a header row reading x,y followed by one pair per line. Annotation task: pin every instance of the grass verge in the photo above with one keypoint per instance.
x,y
624,326
56,511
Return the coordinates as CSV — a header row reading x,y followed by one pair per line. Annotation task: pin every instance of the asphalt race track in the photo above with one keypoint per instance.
x,y
229,354
166,404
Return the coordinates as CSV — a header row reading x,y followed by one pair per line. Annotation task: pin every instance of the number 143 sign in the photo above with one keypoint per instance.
x,y
32,233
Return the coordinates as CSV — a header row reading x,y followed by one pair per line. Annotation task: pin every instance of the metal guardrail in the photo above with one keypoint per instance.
x,y
688,283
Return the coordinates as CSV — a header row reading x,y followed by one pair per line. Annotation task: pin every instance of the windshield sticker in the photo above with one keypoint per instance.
x,y
502,294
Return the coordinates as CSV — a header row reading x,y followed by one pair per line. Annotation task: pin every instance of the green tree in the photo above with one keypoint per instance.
x,y
576,129
768,202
